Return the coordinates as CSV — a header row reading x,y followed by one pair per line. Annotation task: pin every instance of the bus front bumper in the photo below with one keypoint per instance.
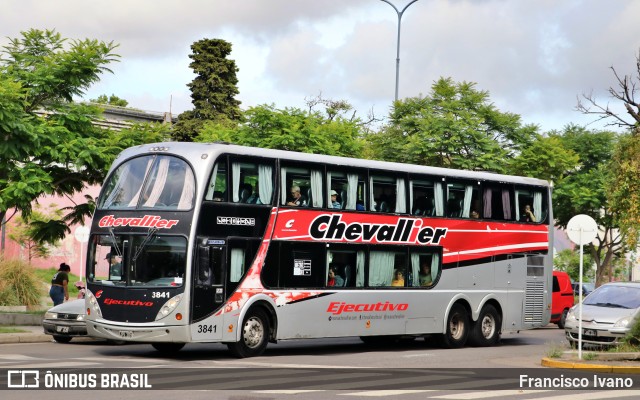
x,y
165,333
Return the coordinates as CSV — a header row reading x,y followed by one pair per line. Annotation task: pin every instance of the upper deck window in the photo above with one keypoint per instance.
x,y
163,182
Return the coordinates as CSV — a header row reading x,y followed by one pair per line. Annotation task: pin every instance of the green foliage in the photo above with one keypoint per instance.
x,y
633,337
27,231
623,187
112,100
569,261
213,90
455,126
18,284
545,158
49,145
291,129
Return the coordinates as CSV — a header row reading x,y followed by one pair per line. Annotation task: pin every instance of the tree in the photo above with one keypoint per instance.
x,y
545,158
213,90
568,261
25,231
49,144
294,129
112,100
455,126
584,191
623,187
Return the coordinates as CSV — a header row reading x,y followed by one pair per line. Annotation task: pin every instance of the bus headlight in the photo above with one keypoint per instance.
x,y
93,306
169,306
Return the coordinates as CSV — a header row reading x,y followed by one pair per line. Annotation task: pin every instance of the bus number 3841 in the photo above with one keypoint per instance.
x,y
206,328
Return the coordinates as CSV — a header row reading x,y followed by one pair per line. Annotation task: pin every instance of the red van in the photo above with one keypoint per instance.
x,y
561,298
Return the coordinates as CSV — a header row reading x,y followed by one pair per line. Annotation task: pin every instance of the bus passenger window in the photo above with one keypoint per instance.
x,y
425,269
217,189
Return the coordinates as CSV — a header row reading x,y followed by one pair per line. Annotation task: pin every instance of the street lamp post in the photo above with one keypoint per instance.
x,y
399,12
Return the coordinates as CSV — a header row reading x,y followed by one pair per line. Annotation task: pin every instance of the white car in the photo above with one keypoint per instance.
x,y
608,313
65,321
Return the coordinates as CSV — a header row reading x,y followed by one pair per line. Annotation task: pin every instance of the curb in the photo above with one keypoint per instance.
x,y
24,338
547,362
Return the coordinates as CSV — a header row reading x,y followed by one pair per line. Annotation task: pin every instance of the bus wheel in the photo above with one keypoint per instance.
x,y
457,327
168,348
254,335
486,330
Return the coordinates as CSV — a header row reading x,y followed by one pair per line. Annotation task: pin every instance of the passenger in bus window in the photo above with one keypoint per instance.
x,y
334,200
527,215
334,278
425,274
297,199
475,214
218,196
398,278
255,197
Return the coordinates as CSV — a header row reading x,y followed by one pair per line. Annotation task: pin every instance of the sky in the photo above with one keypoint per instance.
x,y
533,57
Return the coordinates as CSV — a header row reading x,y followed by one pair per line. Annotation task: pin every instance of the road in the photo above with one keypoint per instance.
x,y
308,369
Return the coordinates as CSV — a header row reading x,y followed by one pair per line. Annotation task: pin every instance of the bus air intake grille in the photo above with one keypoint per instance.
x,y
534,302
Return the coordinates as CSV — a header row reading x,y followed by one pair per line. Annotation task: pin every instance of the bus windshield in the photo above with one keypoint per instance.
x,y
138,260
152,181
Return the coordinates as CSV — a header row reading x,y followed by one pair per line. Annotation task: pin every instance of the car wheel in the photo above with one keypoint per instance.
x,y
486,330
254,335
563,318
62,339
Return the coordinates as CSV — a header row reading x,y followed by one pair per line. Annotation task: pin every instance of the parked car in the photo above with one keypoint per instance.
x,y
65,321
608,313
561,298
587,287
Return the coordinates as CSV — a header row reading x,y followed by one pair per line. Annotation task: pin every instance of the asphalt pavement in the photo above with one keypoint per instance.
x,y
620,363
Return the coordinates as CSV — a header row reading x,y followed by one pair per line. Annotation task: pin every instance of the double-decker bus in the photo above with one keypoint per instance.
x,y
194,242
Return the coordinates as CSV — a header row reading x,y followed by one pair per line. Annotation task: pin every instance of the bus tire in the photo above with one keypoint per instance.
x,y
254,335
168,348
457,328
486,330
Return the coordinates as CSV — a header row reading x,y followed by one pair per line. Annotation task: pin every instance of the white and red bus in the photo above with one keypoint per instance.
x,y
194,242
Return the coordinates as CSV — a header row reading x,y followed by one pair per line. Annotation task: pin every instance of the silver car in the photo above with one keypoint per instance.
x,y
65,321
608,313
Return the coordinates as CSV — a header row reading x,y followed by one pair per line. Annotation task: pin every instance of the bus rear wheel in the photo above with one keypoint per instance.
x,y
486,330
457,330
254,335
168,348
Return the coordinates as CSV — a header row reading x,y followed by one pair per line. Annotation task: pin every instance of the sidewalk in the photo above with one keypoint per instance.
x,y
32,334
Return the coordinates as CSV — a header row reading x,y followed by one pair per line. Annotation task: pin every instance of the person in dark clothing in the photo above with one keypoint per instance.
x,y
59,291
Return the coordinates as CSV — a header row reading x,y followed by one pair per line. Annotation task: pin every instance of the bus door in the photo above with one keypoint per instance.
x,y
208,278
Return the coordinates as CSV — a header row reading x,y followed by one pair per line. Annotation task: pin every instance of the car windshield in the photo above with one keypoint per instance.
x,y
614,296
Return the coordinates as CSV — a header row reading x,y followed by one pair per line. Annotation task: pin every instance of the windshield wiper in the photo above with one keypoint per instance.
x,y
146,241
612,305
115,242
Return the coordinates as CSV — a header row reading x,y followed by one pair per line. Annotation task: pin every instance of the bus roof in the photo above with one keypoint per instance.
x,y
194,151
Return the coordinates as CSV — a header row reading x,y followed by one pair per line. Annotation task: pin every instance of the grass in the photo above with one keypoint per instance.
x,y
555,351
590,356
10,329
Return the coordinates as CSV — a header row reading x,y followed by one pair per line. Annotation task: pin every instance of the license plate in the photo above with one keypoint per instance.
x,y
590,332
126,334
62,329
